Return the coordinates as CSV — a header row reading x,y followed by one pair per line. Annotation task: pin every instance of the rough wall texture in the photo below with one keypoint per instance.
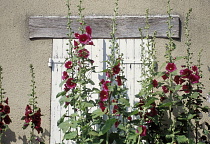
x,y
17,51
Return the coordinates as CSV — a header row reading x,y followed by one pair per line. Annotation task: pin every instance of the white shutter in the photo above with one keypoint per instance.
x,y
132,52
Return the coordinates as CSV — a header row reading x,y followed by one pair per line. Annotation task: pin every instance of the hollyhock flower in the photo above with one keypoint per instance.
x,y
165,89
70,84
28,110
76,45
155,83
68,64
6,109
84,38
186,88
165,76
129,118
185,73
6,101
195,68
7,119
76,35
108,74
176,79
102,107
115,109
1,108
171,67
102,81
1,125
116,124
88,30
162,98
116,69
90,43
105,85
144,130
65,75
104,95
119,82
66,88
194,78
83,53
38,128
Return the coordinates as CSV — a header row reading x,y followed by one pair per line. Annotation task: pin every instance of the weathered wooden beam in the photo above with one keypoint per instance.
x,y
128,26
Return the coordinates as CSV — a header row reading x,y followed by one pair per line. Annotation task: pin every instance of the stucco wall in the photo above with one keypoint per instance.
x,y
17,51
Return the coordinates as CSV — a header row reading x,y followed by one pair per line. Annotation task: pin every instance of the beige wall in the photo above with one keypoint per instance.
x,y
17,51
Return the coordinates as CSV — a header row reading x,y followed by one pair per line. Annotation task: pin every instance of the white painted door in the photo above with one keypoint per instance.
x,y
132,63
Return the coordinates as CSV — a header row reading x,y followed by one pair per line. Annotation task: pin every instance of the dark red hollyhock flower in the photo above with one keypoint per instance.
x,y
6,101
194,78
6,109
84,38
185,73
171,67
155,83
119,82
165,76
101,104
165,89
66,88
28,110
68,64
195,68
65,75
102,81
1,107
129,118
76,45
105,85
186,88
70,84
88,30
116,124
115,109
76,35
1,125
116,69
38,128
177,79
104,95
83,53
7,119
108,74
90,43
144,130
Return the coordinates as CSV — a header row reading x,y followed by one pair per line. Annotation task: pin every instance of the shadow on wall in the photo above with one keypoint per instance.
x,y
42,136
8,137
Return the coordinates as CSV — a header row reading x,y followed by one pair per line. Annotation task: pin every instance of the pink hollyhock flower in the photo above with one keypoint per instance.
x,y
102,107
105,85
6,109
7,119
116,69
68,64
104,95
84,38
186,88
119,82
115,109
185,73
171,67
76,35
176,79
194,78
165,89
116,124
83,53
65,75
102,81
70,84
155,83
88,30
1,107
165,76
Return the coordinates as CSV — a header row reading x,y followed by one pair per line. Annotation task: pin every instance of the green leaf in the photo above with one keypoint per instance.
x,y
64,126
61,94
182,139
166,104
86,104
124,101
61,120
194,95
91,82
190,116
70,135
177,87
122,127
149,101
109,123
63,99
93,133
60,85
97,113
